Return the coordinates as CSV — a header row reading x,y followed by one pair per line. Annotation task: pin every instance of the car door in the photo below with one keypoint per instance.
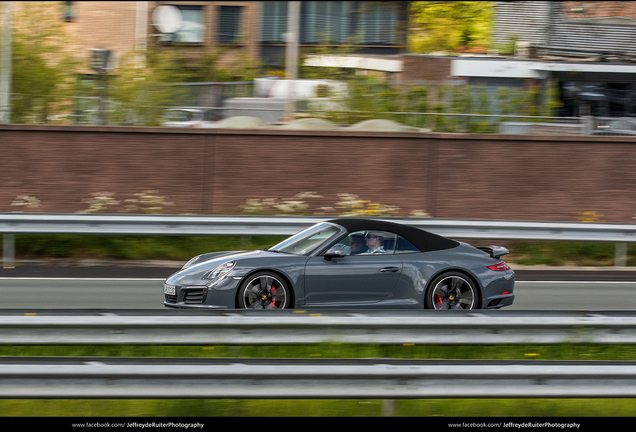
x,y
352,279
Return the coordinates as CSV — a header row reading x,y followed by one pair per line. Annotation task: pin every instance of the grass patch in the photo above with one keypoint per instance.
x,y
341,351
559,253
452,408
182,248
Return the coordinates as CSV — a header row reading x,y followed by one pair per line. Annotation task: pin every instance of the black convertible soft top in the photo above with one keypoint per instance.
x,y
423,240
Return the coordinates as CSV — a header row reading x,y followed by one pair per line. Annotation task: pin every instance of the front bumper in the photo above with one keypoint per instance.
x,y
200,297
191,306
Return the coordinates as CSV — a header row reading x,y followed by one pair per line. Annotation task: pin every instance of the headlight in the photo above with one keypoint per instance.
x,y
192,261
220,271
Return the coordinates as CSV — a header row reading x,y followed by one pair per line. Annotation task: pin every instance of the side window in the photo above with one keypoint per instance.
x,y
404,246
368,243
379,243
353,244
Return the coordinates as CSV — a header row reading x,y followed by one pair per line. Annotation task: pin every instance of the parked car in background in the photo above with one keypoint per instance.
x,y
191,117
619,126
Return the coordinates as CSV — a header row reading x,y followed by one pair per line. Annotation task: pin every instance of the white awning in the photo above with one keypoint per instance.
x,y
529,69
495,69
586,67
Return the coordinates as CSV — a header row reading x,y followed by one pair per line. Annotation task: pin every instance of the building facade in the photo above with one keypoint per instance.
x,y
588,48
240,30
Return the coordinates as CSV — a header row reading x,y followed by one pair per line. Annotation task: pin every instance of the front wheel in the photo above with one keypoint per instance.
x,y
452,291
264,291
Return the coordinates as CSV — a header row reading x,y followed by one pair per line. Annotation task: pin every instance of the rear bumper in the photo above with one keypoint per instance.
x,y
500,301
499,292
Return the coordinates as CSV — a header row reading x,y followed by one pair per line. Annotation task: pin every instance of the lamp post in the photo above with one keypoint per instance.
x,y
101,63
5,63
291,55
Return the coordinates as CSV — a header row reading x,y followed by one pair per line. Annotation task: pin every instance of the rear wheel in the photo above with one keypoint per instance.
x,y
264,291
452,291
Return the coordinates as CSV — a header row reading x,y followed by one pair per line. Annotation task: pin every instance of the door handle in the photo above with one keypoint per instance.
x,y
389,270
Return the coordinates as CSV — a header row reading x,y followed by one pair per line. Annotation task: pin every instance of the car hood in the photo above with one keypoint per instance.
x,y
204,263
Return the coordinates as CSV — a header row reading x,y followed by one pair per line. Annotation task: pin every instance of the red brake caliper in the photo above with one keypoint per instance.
x,y
273,292
438,299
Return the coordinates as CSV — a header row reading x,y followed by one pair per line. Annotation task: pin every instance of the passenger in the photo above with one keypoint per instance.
x,y
374,243
356,243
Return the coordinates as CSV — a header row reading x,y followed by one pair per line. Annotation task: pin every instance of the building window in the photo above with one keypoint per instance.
x,y
274,21
191,31
343,22
229,25
378,23
68,11
327,22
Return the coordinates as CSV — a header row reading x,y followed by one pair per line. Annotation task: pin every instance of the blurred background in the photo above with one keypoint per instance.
x,y
443,66
474,110
494,110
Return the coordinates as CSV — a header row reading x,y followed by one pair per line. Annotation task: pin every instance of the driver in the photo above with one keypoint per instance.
x,y
374,240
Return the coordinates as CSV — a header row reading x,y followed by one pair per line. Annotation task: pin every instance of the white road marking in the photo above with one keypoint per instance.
x,y
82,279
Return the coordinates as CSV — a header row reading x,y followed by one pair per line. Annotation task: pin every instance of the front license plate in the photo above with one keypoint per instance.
x,y
169,289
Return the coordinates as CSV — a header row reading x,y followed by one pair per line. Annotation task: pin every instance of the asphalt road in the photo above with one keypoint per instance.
x,y
41,287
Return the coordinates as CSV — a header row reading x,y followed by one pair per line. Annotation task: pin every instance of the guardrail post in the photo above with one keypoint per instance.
x,y
8,250
388,407
620,255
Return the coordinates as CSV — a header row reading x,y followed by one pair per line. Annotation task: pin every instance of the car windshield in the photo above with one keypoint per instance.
x,y
307,241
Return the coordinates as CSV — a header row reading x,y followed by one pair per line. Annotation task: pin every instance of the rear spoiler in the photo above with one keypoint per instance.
x,y
494,251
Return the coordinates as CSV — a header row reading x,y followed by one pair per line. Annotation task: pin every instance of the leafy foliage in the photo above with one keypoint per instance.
x,y
42,74
370,98
449,25
139,95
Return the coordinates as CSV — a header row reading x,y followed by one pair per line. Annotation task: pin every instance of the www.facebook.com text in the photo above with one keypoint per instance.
x,y
515,425
139,425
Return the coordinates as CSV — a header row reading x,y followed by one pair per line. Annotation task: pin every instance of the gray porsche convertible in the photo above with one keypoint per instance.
x,y
348,263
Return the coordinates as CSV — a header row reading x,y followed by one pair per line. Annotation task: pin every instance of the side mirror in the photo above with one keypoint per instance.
x,y
334,253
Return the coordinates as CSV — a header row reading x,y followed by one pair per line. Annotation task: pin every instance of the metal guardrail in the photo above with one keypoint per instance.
x,y
303,327
384,380
22,223
60,223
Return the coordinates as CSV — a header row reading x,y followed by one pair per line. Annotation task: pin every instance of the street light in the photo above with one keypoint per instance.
x,y
291,55
5,64
102,62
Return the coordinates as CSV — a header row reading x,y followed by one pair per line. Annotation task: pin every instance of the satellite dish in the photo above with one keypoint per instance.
x,y
167,19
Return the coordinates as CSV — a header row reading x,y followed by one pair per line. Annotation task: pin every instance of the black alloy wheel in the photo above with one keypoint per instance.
x,y
452,291
264,291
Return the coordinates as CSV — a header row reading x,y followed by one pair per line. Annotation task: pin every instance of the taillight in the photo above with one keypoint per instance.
x,y
499,267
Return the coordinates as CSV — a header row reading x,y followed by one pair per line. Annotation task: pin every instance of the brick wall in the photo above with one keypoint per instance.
x,y
425,68
472,176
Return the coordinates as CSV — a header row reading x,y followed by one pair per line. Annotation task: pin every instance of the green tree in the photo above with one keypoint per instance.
x,y
448,25
42,73
366,98
140,95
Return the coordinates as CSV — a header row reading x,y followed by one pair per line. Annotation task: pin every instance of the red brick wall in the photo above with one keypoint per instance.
x,y
472,176
420,67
